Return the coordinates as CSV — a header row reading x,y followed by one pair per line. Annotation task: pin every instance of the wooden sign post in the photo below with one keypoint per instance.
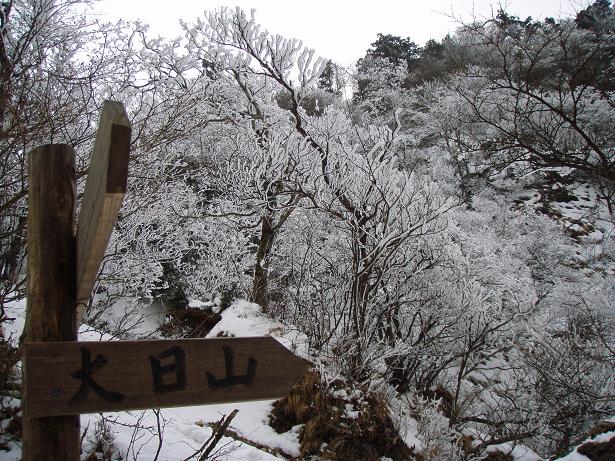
x,y
50,314
64,377
61,268
102,197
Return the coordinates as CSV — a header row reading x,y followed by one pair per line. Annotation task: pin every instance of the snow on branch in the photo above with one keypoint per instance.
x,y
231,39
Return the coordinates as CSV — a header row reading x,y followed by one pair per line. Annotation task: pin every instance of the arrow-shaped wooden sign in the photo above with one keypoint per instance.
x,y
66,378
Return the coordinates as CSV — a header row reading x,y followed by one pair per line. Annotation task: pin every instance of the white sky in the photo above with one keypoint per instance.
x,y
341,30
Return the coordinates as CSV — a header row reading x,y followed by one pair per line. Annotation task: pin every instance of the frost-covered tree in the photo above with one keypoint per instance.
x,y
56,67
538,97
265,167
347,173
387,51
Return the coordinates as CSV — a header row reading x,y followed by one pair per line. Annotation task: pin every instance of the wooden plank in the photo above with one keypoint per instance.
x,y
87,377
50,314
102,198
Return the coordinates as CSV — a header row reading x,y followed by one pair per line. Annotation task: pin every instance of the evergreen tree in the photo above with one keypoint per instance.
x,y
326,81
395,49
597,17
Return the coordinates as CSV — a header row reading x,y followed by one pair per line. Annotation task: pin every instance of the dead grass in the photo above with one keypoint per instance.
x,y
597,451
189,322
601,428
341,422
498,456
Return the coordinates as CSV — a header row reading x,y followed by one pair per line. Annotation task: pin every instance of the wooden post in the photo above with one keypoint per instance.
x,y
102,198
50,312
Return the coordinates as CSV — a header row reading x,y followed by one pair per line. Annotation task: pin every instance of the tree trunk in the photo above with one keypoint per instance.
x,y
260,285
360,284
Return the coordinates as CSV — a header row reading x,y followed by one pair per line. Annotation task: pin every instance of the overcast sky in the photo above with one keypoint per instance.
x,y
341,30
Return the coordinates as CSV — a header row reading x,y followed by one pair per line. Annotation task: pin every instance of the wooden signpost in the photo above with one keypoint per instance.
x,y
88,377
102,197
63,377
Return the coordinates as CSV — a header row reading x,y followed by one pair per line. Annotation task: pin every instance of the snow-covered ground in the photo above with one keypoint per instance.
x,y
186,428
135,436
578,208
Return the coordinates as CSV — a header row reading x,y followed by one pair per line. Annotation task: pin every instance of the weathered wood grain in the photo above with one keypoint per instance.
x,y
87,377
50,314
102,198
